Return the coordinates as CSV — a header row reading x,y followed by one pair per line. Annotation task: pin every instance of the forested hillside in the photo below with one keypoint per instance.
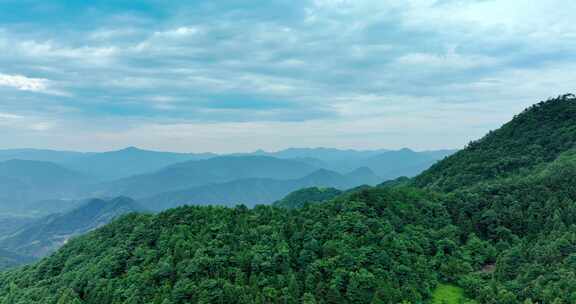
x,y
299,198
537,135
497,219
379,245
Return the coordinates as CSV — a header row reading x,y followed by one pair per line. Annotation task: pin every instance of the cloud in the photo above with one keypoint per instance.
x,y
320,63
24,83
35,85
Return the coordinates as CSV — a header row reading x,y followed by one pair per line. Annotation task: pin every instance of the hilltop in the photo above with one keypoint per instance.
x,y
537,135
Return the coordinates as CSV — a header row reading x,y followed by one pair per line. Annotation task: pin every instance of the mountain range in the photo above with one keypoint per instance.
x,y
493,223
26,181
41,182
257,191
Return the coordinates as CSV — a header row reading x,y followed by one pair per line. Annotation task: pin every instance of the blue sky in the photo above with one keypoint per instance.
x,y
235,75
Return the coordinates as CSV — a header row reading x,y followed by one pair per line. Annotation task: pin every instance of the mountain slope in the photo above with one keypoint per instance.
x,y
9,224
199,173
405,162
46,234
299,198
537,135
515,189
23,181
253,191
211,255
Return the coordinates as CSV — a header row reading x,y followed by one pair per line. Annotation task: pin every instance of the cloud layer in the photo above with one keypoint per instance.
x,y
232,76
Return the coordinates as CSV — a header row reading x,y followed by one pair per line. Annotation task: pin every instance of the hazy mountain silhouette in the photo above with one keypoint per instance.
x,y
204,172
253,191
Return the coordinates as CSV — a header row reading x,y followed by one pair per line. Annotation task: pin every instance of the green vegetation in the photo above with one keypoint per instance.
x,y
495,223
538,135
384,245
449,294
299,198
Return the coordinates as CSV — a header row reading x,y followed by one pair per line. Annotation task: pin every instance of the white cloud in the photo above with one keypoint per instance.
x,y
36,85
449,60
391,72
24,83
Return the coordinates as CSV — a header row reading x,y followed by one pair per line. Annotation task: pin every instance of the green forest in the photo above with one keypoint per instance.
x,y
494,223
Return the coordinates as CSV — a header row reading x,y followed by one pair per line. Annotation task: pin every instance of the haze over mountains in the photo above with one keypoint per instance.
x,y
26,181
44,235
41,182
47,197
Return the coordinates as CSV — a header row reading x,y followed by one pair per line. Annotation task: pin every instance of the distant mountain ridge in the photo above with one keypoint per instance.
x,y
129,161
253,191
388,164
34,187
40,155
24,181
135,161
204,172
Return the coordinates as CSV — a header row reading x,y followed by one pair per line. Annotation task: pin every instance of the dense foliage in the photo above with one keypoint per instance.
x,y
299,198
531,219
537,135
378,245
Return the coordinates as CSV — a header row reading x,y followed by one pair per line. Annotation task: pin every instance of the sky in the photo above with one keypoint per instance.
x,y
235,76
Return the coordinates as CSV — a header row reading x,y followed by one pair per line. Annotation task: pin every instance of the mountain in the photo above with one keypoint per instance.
x,y
495,222
127,162
40,155
536,136
405,162
9,224
50,206
378,246
299,198
324,154
388,164
23,181
514,189
254,191
47,234
205,172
